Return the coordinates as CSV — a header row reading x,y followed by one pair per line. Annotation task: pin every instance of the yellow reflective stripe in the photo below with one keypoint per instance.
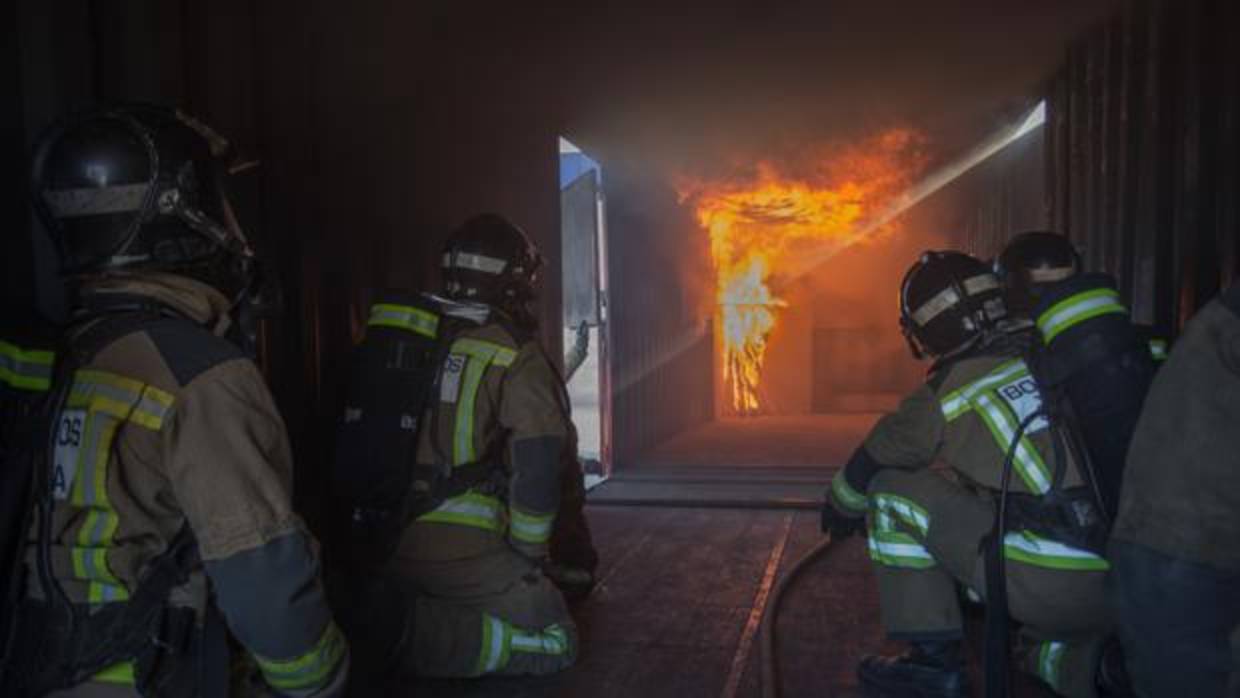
x,y
404,317
552,640
905,510
498,354
848,497
122,673
27,369
531,528
892,547
120,397
463,450
895,549
493,654
469,509
108,400
1030,548
311,669
1077,309
1050,656
480,356
1026,459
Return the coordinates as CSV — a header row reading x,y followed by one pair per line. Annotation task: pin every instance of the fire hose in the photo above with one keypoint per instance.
x,y
770,662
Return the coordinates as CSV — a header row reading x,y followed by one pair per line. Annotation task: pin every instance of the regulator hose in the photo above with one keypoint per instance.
x,y
770,662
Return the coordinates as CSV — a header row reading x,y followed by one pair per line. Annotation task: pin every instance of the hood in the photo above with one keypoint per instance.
x,y
189,297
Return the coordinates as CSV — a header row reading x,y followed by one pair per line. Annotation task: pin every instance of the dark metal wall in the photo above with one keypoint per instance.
x,y
379,127
1143,152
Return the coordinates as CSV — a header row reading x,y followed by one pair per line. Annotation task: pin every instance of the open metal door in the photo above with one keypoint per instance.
x,y
583,246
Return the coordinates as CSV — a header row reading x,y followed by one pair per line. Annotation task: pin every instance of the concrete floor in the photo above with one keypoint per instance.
x,y
674,615
800,441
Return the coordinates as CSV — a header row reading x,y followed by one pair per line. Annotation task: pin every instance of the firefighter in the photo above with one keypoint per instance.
x,y
163,518
1176,577
475,563
926,526
1089,353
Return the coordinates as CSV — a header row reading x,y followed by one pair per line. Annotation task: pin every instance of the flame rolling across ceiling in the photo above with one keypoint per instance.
x,y
764,219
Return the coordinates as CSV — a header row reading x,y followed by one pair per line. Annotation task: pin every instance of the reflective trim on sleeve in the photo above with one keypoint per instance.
x,y
25,369
899,550
848,497
531,528
404,317
493,653
469,509
312,669
552,640
1033,549
498,354
1077,309
1158,349
1050,658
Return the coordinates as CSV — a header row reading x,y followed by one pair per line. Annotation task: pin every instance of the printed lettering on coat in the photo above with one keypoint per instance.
x,y
69,430
450,381
1023,397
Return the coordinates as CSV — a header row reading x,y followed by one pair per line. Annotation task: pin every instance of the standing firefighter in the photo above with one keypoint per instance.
x,y
1176,543
498,433
927,528
162,515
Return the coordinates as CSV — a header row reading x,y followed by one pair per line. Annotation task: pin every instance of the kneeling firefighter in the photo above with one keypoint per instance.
x,y
160,507
977,411
462,525
1088,356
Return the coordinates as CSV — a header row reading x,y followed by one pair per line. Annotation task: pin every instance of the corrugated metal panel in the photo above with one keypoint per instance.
x,y
1142,152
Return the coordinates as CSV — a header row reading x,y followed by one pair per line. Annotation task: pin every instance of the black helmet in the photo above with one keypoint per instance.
x,y
1030,261
948,301
490,260
140,187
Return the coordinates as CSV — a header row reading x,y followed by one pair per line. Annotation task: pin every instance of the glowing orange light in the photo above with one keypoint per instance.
x,y
762,219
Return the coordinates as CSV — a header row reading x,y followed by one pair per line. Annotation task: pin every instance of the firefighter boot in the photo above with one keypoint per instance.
x,y
926,670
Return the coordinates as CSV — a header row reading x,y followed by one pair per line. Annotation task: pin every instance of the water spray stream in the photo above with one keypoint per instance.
x,y
807,263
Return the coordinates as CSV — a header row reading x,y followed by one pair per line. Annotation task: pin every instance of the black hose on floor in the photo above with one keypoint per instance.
x,y
770,663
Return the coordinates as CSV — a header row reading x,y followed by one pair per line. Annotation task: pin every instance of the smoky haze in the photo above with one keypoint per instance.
x,y
702,86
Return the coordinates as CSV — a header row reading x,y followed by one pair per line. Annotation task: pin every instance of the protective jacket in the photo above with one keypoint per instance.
x,y
499,400
1181,494
167,431
967,416
926,532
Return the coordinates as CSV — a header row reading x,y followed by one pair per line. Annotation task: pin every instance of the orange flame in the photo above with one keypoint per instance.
x,y
762,219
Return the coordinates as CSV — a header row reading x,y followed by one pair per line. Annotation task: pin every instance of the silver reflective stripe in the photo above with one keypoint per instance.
x,y
478,262
980,284
935,306
887,550
1049,658
494,644
94,201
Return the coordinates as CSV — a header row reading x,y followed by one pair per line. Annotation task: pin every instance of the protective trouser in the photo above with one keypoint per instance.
x,y
925,534
491,614
1179,623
